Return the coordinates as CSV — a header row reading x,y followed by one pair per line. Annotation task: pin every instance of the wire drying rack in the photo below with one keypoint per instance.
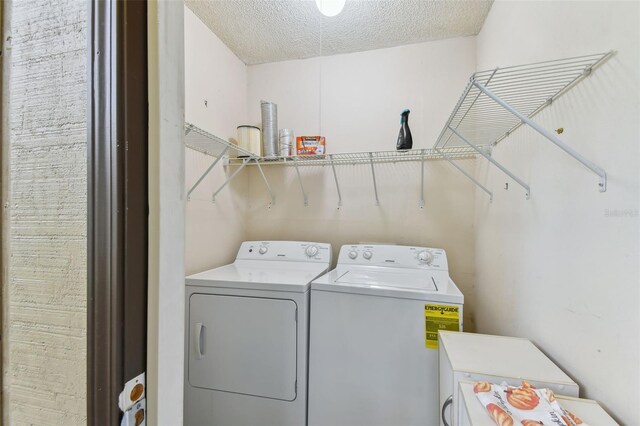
x,y
371,158
527,88
207,143
492,106
496,102
354,158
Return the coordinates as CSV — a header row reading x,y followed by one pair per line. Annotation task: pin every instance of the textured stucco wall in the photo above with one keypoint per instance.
x,y
45,289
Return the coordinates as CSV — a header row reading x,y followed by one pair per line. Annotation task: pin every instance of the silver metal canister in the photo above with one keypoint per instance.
x,y
269,129
286,143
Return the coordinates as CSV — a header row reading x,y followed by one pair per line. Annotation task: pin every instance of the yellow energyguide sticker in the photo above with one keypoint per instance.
x,y
439,317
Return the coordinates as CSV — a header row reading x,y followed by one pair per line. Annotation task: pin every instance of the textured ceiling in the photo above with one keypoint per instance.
x,y
260,31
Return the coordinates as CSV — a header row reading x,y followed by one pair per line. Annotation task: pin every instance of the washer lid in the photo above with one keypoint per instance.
x,y
260,275
397,279
435,286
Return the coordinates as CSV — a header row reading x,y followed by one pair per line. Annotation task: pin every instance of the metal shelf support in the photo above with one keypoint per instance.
x,y
494,162
230,178
421,204
304,194
204,175
471,178
602,182
373,174
335,177
266,182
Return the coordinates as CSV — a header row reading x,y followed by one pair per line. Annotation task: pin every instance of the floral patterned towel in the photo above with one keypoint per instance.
x,y
526,406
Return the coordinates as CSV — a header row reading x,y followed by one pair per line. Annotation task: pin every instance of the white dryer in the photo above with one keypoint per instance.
x,y
374,336
247,336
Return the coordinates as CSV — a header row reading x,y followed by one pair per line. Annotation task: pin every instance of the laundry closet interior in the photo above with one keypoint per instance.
x,y
540,237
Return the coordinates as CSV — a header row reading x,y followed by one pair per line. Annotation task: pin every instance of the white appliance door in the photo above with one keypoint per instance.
x,y
368,362
245,345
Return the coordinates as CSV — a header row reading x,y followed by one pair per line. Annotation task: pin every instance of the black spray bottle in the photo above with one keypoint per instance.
x,y
405,141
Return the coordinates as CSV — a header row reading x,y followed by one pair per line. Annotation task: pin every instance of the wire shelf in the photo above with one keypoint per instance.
x,y
493,104
207,143
203,141
527,88
376,157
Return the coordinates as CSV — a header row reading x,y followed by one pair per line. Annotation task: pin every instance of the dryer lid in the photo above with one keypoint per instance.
x,y
260,275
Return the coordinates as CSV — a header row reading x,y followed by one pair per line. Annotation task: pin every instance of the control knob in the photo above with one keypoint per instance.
x,y
311,251
353,254
262,249
367,255
425,256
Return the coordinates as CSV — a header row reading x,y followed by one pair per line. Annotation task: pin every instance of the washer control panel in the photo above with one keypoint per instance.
x,y
394,256
299,251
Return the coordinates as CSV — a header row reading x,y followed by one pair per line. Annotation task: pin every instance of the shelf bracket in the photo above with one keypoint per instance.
x,y
304,194
204,175
494,162
266,182
471,178
373,174
230,178
335,177
421,205
602,182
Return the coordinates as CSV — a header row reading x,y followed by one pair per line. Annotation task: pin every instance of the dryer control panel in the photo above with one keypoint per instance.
x,y
394,256
294,251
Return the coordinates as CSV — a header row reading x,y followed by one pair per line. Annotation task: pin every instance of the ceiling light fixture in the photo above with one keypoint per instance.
x,y
330,7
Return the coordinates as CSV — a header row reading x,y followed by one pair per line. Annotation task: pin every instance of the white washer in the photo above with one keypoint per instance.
x,y
374,324
247,336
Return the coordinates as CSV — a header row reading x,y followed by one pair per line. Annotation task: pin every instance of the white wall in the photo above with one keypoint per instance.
x,y
166,315
215,75
44,292
355,101
562,268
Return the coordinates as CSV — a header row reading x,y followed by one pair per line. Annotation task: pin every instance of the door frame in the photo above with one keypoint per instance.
x,y
167,202
117,197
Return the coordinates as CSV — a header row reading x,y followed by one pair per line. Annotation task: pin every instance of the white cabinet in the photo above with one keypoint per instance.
x,y
496,359
472,413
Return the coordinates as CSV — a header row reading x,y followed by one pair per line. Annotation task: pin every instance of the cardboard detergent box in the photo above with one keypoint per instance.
x,y
310,145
